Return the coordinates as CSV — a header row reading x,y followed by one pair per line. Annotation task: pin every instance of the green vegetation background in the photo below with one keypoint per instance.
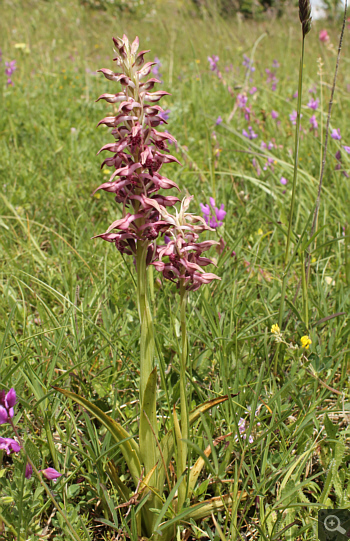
x,y
68,314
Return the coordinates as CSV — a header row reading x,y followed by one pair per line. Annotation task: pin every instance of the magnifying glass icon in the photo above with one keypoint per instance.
x,y
332,524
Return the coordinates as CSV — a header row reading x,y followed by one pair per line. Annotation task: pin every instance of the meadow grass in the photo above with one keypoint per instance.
x,y
68,313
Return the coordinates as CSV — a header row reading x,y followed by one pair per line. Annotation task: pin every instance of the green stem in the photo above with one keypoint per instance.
x,y
147,338
291,213
304,290
182,462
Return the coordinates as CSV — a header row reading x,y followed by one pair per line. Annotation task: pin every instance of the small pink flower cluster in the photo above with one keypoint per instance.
x,y
137,160
7,403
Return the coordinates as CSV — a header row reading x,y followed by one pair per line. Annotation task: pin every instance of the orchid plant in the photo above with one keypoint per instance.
x,y
168,242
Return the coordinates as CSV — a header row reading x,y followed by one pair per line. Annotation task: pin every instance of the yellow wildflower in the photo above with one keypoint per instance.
x,y
260,231
305,342
275,329
106,172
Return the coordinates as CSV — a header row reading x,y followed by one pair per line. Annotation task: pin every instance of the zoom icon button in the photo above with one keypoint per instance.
x,y
334,524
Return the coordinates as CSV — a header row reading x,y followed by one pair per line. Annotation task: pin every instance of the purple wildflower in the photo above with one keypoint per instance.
x,y
247,112
256,166
295,95
241,100
218,120
3,415
155,69
339,166
347,149
250,133
212,215
9,70
283,181
253,90
248,63
313,104
242,429
213,60
336,134
268,164
313,122
274,114
313,89
29,471
164,115
9,445
275,64
271,79
51,474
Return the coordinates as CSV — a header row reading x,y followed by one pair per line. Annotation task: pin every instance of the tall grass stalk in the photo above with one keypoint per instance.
x,y
330,104
304,14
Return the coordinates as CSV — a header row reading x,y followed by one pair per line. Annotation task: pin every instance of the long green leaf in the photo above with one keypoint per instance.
x,y
167,443
148,445
129,448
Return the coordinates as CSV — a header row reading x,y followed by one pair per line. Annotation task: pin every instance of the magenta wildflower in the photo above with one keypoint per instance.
x,y
295,95
213,60
247,112
313,104
241,100
336,134
9,70
9,445
218,120
29,471
3,415
313,122
212,215
283,181
250,133
274,114
293,117
51,474
7,403
269,146
253,90
323,36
